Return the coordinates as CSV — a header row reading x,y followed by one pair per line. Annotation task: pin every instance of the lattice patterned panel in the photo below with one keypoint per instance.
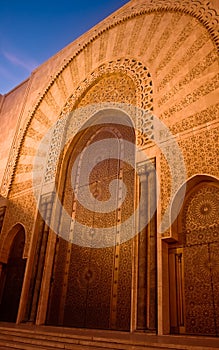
x,y
198,291
201,256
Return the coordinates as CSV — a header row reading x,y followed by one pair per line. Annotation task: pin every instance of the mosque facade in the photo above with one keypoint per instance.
x,y
109,177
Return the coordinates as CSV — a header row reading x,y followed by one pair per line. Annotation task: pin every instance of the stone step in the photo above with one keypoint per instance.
x,y
52,340
28,337
30,342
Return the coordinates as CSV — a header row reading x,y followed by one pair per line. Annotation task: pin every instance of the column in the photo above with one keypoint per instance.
x,y
152,249
39,261
146,290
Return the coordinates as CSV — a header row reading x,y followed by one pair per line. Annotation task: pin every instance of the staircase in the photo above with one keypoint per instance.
x,y
29,337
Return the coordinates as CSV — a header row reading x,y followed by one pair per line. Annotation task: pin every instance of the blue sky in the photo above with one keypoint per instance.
x,y
33,31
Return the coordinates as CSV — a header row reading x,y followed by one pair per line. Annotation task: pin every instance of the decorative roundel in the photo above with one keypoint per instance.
x,y
208,264
202,209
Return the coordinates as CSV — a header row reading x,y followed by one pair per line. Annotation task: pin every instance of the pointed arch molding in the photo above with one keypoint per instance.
x,y
129,68
199,9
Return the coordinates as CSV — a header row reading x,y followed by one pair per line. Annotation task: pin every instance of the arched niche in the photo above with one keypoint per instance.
x,y
12,274
194,259
180,198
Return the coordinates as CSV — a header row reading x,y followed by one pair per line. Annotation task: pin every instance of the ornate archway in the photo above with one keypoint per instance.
x,y
105,280
194,263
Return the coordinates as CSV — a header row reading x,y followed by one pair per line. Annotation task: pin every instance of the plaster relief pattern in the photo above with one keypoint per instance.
x,y
115,87
205,116
200,154
120,35
205,89
186,32
121,82
195,73
190,52
199,9
149,36
133,70
139,22
165,36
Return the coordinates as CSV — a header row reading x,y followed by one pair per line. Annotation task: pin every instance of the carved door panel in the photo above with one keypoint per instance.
x,y
214,267
89,288
194,285
98,282
199,290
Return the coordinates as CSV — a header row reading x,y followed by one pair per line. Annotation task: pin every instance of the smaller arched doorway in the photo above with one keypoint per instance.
x,y
12,275
194,261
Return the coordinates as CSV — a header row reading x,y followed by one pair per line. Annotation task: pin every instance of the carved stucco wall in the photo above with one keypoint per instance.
x,y
177,43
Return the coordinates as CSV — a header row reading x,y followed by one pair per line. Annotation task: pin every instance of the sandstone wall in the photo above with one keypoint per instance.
x,y
176,42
